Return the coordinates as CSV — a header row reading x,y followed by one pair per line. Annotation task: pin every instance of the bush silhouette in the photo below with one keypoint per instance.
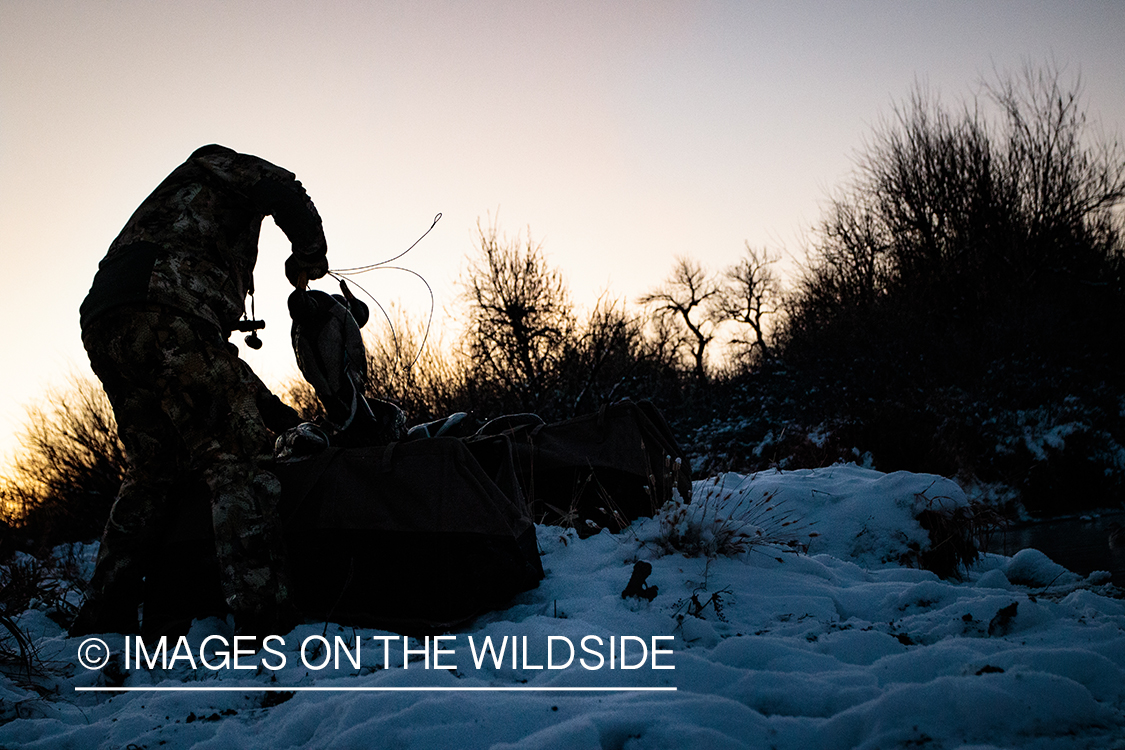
x,y
69,467
967,279
962,239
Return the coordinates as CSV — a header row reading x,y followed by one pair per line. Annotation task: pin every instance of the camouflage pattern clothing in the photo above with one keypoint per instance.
x,y
192,244
155,324
186,407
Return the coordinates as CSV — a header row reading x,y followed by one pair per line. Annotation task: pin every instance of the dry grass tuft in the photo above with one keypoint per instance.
x,y
728,522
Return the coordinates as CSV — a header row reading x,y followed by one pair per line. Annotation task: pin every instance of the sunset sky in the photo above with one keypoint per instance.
x,y
622,133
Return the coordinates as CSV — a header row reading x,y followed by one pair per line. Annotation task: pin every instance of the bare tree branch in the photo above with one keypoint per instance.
x,y
688,297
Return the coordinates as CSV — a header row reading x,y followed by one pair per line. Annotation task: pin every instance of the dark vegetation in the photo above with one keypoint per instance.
x,y
61,485
958,311
960,308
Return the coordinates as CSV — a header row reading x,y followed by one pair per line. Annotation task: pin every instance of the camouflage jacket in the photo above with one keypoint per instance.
x,y
193,242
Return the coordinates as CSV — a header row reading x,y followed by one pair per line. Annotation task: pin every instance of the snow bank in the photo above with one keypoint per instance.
x,y
837,648
846,511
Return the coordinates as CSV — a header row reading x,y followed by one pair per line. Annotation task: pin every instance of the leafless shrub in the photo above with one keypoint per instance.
x,y
607,359
49,582
957,218
299,394
69,466
957,536
520,321
408,363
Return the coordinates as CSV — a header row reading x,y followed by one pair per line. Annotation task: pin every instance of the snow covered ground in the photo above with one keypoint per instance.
x,y
746,644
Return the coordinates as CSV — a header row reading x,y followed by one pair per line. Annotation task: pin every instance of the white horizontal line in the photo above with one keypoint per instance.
x,y
319,689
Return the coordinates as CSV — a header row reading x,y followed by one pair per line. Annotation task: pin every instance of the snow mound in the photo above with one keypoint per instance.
x,y
854,513
1031,567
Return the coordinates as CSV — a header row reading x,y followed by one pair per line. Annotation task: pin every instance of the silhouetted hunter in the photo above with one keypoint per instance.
x,y
156,324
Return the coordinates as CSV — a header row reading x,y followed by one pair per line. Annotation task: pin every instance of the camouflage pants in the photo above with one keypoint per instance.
x,y
185,409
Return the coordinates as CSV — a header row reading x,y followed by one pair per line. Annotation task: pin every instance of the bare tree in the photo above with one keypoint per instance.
x,y
751,291
688,297
520,318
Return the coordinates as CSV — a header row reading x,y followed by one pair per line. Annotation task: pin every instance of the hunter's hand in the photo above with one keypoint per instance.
x,y
300,272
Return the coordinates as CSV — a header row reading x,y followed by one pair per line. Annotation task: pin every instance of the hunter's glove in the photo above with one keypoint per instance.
x,y
313,269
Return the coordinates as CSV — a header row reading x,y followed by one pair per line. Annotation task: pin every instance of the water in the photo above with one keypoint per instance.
x,y
1082,545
